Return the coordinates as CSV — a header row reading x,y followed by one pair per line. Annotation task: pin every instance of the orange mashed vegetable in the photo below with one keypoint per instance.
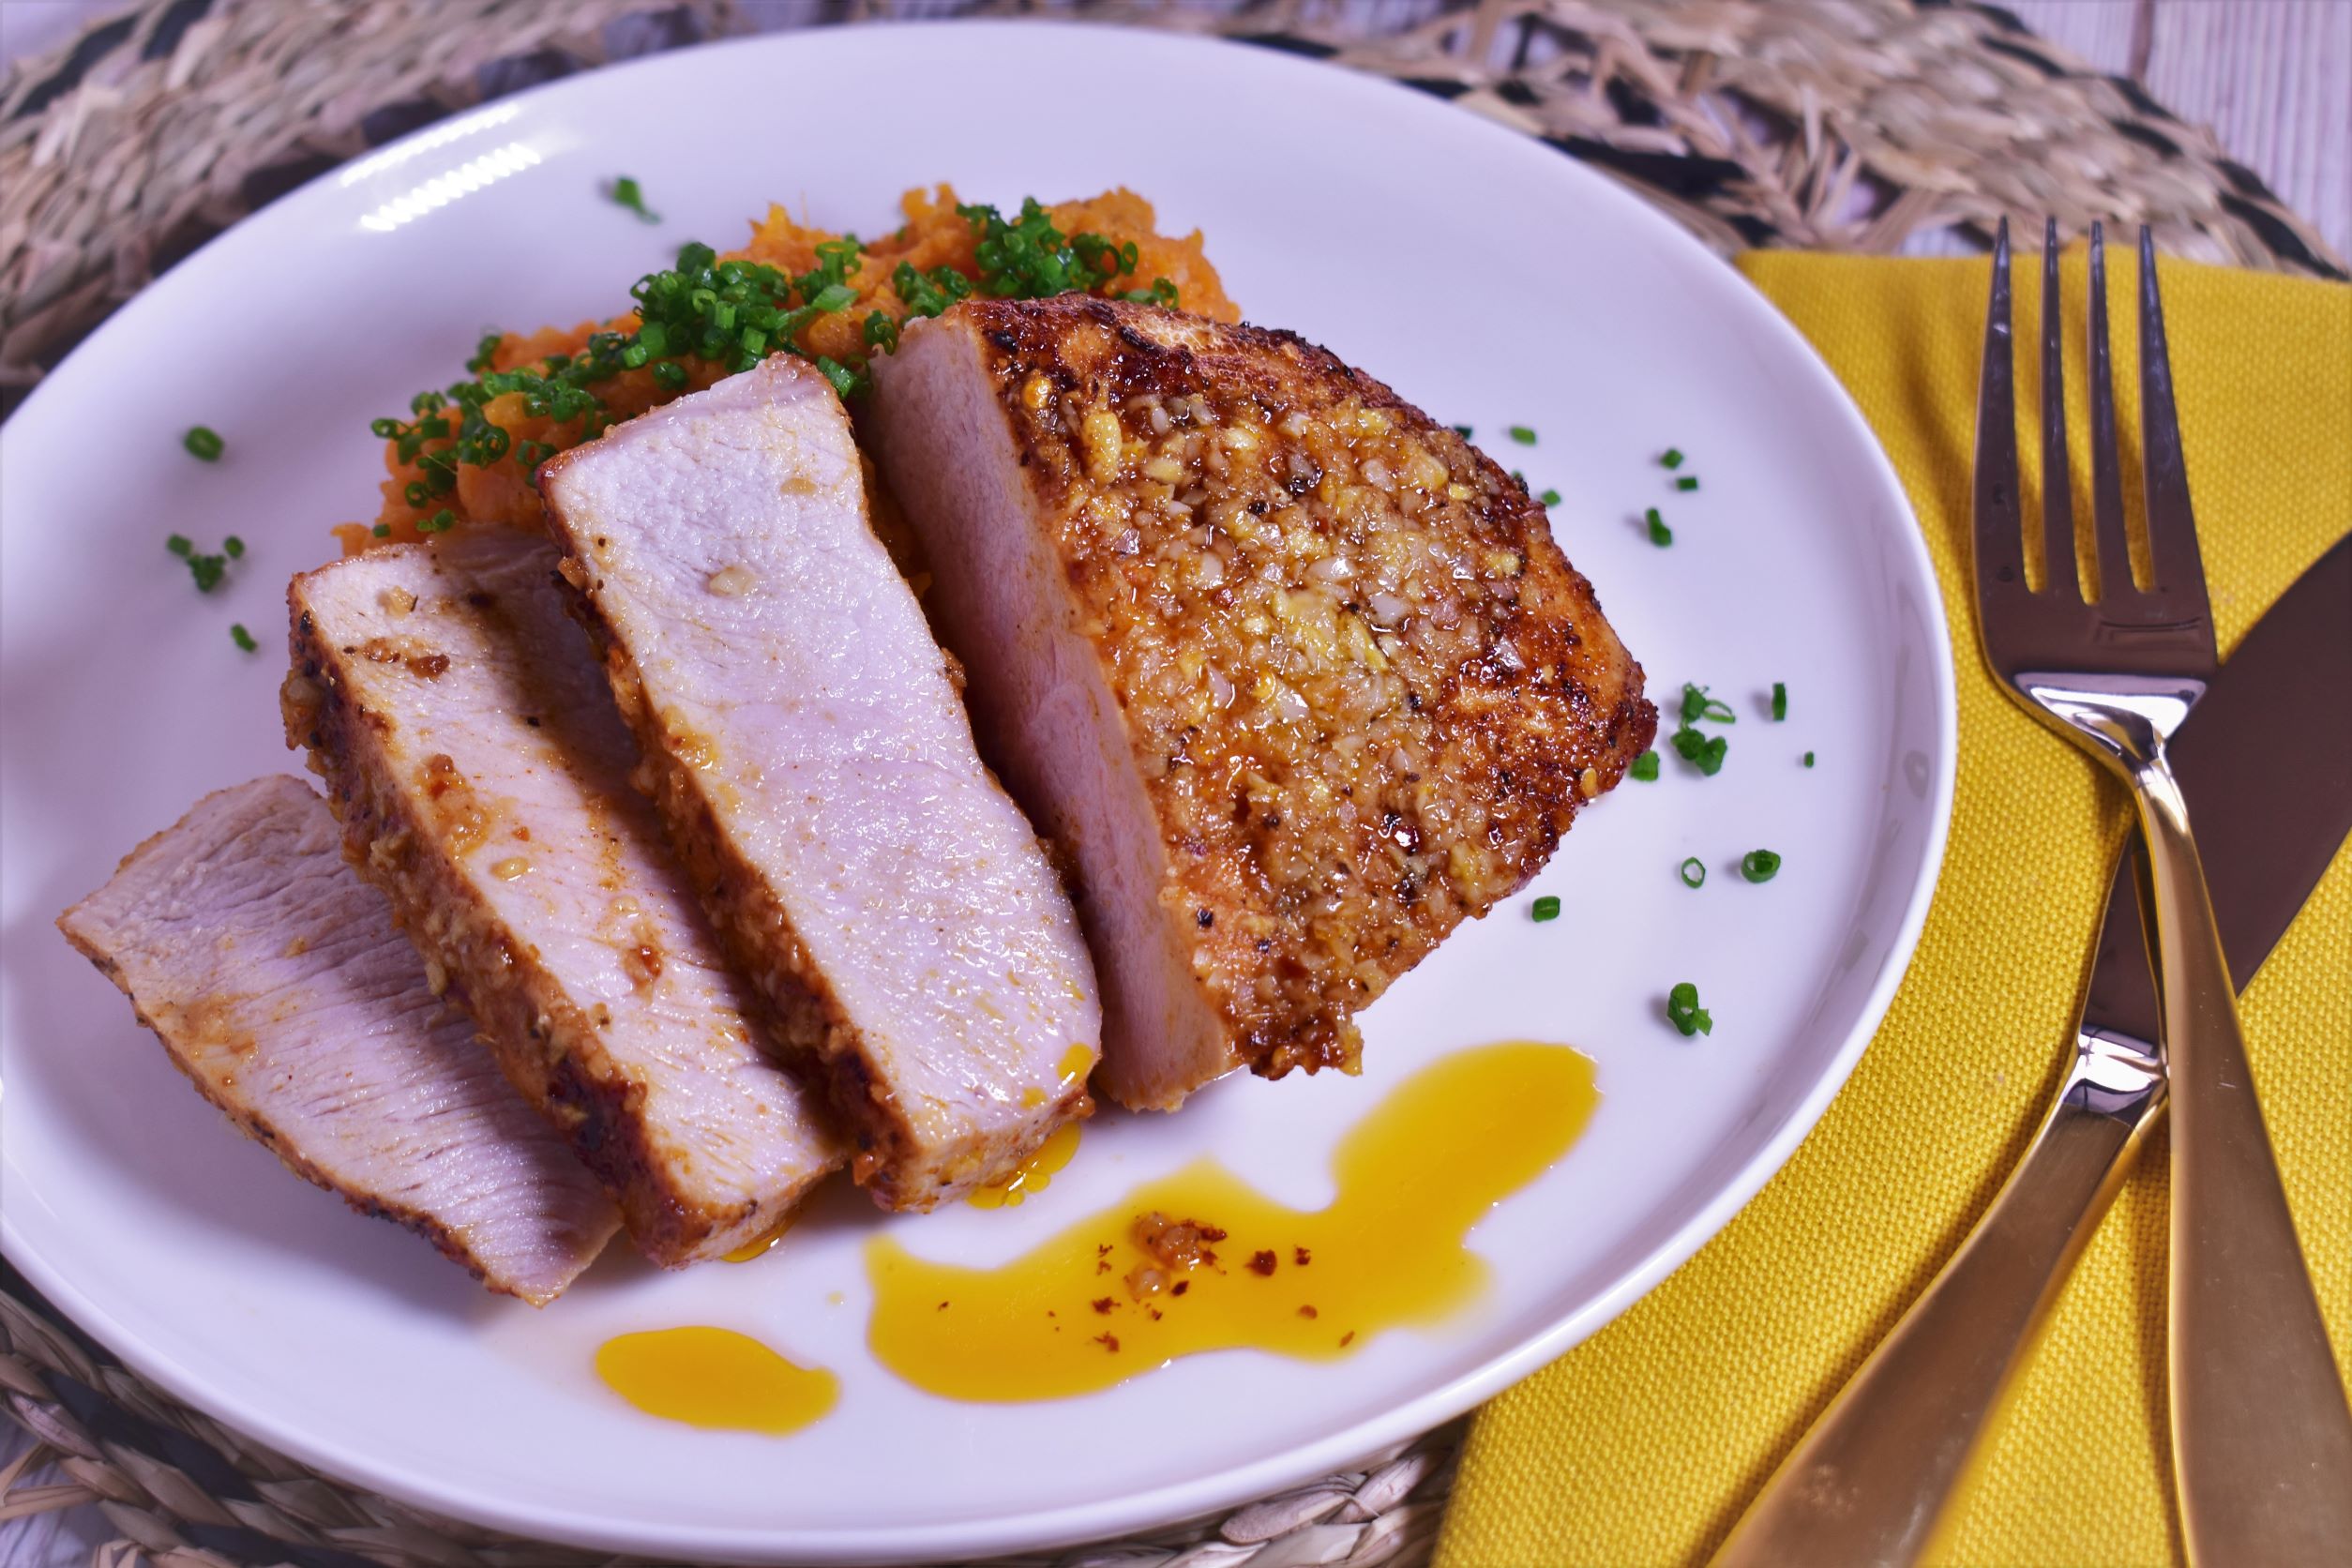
x,y
934,234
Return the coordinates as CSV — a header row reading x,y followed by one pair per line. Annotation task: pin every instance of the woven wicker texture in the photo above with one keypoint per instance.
x,y
1852,125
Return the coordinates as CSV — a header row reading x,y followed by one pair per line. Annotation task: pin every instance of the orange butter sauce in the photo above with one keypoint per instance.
x,y
715,1378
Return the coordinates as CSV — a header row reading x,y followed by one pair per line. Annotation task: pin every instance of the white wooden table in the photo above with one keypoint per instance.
x,y
2273,77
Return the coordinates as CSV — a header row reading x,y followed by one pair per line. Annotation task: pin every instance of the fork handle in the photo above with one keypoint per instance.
x,y
1870,1479
2261,1433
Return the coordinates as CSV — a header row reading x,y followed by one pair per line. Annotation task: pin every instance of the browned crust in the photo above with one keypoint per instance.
x,y
545,1046
1516,741
256,1126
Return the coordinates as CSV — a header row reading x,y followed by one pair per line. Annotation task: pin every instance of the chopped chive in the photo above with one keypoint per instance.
x,y
234,547
1687,482
1760,866
1523,435
1645,767
1703,752
1780,700
440,523
1462,431
1694,872
1549,498
1660,535
1808,758
1671,457
381,531
626,193
1684,1013
1546,908
1698,706
180,545
243,639
203,441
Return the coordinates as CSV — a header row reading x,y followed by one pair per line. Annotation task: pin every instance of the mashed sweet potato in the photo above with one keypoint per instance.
x,y
934,235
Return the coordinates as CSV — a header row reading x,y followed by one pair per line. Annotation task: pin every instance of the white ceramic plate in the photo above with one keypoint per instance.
x,y
1483,275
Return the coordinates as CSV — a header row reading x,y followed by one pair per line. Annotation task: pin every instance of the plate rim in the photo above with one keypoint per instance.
x,y
1092,1521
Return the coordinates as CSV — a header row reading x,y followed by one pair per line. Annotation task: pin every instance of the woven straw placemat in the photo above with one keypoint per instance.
x,y
1850,125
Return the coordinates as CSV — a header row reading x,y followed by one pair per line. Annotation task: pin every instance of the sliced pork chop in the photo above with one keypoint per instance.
x,y
481,773
1297,675
816,770
274,978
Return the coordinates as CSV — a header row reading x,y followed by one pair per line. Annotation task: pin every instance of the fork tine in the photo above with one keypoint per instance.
x,y
2057,488
2174,562
2106,474
1999,543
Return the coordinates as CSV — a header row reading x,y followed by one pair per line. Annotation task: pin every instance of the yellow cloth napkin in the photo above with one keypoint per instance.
x,y
1643,1445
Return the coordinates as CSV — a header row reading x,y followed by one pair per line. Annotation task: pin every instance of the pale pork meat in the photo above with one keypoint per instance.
x,y
816,770
482,777
1297,676
276,980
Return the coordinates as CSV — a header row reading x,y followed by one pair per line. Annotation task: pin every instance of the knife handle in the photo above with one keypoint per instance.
x,y
2261,1434
1869,1479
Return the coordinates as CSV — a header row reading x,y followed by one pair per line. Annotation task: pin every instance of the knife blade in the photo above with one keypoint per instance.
x,y
1869,1481
2268,825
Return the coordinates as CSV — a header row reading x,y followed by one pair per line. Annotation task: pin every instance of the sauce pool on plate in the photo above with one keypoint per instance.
x,y
715,1378
1197,1261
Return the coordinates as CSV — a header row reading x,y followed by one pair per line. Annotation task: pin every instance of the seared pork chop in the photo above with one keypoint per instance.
x,y
482,777
817,773
1297,675
274,978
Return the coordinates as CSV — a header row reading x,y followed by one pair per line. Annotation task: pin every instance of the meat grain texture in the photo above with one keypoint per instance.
x,y
482,776
276,980
1297,675
817,773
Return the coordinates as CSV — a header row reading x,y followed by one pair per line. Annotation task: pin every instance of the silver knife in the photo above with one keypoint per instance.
x,y
2266,763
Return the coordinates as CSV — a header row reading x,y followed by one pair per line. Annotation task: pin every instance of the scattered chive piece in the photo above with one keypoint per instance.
x,y
1546,908
382,530
1808,758
1694,872
243,639
1698,706
626,193
1684,1013
1760,866
1518,478
1779,701
234,547
1660,535
1645,767
1687,482
1672,457
1462,431
1704,752
179,545
440,523
201,441
1549,498
1523,435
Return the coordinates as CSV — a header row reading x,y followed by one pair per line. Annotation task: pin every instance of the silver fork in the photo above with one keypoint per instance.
x,y
2261,1433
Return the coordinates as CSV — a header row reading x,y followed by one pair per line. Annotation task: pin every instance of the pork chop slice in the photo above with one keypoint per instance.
x,y
278,983
1296,675
816,767
482,776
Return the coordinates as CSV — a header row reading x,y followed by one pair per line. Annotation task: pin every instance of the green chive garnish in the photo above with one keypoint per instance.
x,y
381,531
1687,482
1660,535
1694,872
440,523
1698,707
1671,457
1780,700
1808,758
1462,431
1549,498
1546,908
243,639
626,193
1760,866
1702,751
1523,435
203,441
234,547
1684,1013
1645,767
180,545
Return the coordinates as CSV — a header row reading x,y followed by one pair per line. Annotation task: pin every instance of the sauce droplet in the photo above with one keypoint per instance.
x,y
715,1378
1200,1261
1034,1174
763,1243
